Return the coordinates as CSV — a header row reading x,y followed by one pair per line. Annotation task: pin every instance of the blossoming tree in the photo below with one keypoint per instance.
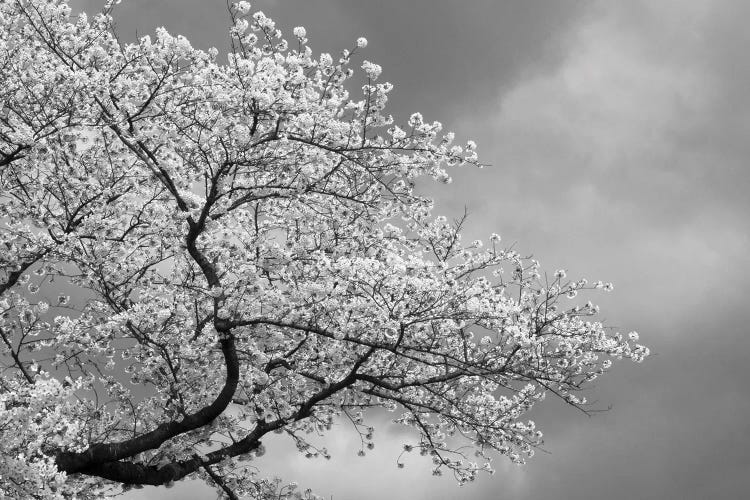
x,y
196,253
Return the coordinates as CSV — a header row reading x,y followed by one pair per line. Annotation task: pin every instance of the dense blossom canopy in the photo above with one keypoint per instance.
x,y
196,251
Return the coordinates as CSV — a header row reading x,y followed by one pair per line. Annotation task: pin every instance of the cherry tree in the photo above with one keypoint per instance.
x,y
199,250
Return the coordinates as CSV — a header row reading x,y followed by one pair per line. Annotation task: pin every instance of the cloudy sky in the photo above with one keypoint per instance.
x,y
618,134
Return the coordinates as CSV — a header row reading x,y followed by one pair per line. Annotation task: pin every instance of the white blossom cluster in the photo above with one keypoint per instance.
x,y
194,254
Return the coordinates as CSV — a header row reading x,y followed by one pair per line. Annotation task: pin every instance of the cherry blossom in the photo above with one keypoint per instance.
x,y
196,253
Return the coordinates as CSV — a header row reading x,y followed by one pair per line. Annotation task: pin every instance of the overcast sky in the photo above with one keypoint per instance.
x,y
618,134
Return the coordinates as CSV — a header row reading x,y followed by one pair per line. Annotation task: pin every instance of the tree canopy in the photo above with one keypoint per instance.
x,y
197,250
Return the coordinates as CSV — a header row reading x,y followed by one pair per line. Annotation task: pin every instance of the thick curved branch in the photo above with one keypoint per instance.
x,y
110,452
130,473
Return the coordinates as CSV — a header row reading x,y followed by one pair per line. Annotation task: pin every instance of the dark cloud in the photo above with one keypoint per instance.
x,y
618,138
453,57
445,57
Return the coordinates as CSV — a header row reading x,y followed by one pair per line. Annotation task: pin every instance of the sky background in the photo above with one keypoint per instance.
x,y
618,134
